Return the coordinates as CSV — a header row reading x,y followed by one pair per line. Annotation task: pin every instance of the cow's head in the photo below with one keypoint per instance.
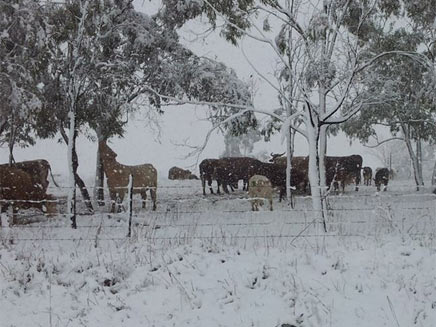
x,y
275,156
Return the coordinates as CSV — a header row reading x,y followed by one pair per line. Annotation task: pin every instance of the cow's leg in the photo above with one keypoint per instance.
x,y
270,204
120,199
218,184
153,192
113,196
203,184
14,215
144,197
209,182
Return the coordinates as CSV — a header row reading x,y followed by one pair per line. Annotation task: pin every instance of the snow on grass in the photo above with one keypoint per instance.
x,y
207,262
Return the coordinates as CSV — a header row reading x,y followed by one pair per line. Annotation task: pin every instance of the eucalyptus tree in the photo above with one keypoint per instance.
x,y
23,56
330,39
408,110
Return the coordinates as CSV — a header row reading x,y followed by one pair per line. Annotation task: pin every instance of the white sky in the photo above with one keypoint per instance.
x,y
182,123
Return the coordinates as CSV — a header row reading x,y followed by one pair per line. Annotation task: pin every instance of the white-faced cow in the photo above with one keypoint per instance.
x,y
381,178
144,177
260,189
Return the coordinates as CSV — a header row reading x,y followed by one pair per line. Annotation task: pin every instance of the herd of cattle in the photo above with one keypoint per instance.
x,y
24,185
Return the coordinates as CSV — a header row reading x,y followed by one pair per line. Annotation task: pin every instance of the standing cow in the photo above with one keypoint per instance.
x,y
18,189
207,167
144,177
343,170
228,171
381,178
367,175
260,188
37,169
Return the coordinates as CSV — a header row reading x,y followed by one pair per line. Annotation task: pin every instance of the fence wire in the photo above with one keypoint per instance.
x,y
181,217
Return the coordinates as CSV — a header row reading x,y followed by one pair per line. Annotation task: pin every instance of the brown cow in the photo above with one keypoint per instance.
x,y
367,175
38,169
207,167
179,173
277,175
228,171
343,170
17,188
299,164
144,177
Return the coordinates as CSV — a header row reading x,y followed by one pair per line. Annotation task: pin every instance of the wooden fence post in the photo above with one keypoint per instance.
x,y
130,197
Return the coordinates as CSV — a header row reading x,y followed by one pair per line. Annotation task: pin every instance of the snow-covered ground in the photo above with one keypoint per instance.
x,y
209,261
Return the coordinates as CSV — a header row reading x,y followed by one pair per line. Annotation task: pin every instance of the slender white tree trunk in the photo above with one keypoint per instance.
x,y
71,202
414,159
314,176
290,137
433,176
419,158
99,174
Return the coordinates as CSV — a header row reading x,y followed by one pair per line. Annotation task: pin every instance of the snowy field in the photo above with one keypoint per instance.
x,y
210,261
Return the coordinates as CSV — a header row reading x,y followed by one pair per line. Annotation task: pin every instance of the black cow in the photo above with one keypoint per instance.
x,y
381,177
367,175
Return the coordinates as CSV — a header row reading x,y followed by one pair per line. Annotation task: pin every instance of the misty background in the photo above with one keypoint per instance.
x,y
161,144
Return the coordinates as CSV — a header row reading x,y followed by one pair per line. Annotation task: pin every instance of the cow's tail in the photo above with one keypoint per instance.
x,y
52,178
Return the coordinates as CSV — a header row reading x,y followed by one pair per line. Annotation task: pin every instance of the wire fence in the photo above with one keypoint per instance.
x,y
183,217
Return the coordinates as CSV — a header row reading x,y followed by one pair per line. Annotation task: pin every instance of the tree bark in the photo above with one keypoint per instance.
x,y
314,175
413,158
77,179
99,173
290,140
433,176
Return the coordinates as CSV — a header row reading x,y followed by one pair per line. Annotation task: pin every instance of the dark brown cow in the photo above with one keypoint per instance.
x,y
18,189
37,169
277,175
343,170
367,175
144,177
381,177
179,173
299,164
339,170
228,171
207,167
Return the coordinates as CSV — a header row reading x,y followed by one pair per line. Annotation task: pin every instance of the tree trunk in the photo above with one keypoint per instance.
x,y
99,181
314,175
413,158
290,140
433,176
99,174
419,160
75,164
11,143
